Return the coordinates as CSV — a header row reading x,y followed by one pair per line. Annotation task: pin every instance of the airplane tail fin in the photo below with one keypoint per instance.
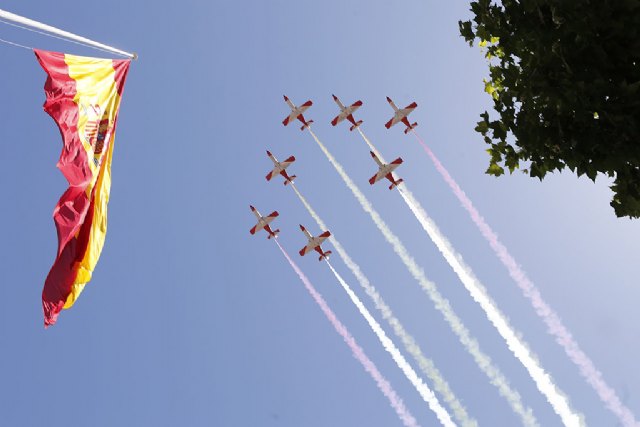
x,y
274,235
412,127
306,125
396,183
325,255
290,180
358,123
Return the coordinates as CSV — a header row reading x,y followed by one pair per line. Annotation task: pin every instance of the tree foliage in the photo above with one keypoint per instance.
x,y
565,81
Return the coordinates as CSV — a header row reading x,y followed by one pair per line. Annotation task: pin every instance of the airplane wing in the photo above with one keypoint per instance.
x,y
408,109
392,122
321,238
304,107
276,170
392,166
306,249
271,217
352,109
287,162
377,177
290,117
340,117
396,162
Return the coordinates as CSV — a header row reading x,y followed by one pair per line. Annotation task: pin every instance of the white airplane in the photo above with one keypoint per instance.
x,y
263,222
280,168
296,113
347,113
400,115
386,171
314,244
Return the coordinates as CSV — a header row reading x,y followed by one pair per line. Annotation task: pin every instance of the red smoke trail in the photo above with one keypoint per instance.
x,y
554,325
384,385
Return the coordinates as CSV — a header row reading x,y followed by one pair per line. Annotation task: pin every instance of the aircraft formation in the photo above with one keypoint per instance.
x,y
514,341
280,168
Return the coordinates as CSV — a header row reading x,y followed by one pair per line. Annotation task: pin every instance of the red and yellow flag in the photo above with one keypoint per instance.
x,y
83,98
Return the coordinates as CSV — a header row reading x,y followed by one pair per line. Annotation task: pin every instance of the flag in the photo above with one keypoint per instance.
x,y
83,97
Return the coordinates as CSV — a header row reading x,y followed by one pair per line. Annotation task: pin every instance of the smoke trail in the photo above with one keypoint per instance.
x,y
424,391
371,145
483,361
426,365
554,324
516,344
396,403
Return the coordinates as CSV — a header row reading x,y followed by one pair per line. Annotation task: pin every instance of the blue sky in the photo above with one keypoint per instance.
x,y
190,320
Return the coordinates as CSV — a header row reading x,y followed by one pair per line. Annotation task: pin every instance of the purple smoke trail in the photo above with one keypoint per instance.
x,y
554,325
384,385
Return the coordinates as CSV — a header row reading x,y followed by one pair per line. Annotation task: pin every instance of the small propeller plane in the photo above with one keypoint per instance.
x,y
280,168
386,171
400,115
314,244
347,113
263,222
296,113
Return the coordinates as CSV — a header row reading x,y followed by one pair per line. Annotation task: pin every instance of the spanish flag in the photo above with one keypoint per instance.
x,y
83,97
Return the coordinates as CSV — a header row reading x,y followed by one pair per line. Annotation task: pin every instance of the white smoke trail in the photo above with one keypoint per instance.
x,y
554,324
426,365
483,361
424,391
396,402
516,344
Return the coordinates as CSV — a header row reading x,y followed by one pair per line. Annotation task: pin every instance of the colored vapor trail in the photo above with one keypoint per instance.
x,y
396,402
426,365
424,391
483,361
554,324
516,344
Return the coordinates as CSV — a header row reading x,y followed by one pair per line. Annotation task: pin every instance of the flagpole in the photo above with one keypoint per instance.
x,y
49,29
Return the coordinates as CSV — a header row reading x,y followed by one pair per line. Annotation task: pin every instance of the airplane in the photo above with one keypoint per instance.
x,y
314,243
400,115
263,222
280,168
386,171
296,113
347,113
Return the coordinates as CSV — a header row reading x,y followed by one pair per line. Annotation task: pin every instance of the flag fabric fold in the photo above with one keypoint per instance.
x,y
83,97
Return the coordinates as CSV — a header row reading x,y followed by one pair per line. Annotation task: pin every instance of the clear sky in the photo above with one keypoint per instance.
x,y
190,320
